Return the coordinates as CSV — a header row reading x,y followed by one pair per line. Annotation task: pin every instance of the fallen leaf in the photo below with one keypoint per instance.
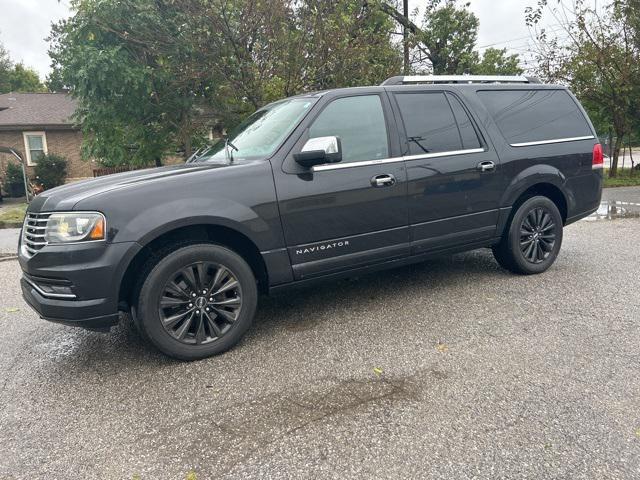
x,y
442,347
378,371
638,433
12,310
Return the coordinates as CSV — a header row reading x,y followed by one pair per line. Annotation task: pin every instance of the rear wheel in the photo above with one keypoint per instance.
x,y
197,301
534,238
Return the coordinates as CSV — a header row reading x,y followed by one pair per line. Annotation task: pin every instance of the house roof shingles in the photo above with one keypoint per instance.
x,y
53,110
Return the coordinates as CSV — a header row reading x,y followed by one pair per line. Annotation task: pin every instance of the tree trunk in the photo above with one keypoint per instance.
x,y
613,171
187,147
633,164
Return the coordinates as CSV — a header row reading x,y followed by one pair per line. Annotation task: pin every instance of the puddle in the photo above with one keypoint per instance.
x,y
613,209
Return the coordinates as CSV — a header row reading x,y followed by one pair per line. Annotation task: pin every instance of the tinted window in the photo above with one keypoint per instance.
x,y
535,115
467,131
359,122
429,123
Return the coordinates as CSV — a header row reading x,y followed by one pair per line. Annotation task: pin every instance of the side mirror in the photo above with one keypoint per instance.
x,y
320,150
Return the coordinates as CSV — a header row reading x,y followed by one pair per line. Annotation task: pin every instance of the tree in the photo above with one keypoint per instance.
x,y
25,79
495,61
17,77
445,43
449,34
120,59
152,76
598,60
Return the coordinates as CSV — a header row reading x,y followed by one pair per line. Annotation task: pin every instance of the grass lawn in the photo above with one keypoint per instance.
x,y
625,178
13,213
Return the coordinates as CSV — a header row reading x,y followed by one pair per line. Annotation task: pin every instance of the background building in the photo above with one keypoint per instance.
x,y
34,123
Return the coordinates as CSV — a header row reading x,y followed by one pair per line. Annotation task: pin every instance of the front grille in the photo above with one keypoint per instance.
x,y
33,232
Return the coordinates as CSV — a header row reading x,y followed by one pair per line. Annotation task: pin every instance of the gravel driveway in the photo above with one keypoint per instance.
x,y
448,369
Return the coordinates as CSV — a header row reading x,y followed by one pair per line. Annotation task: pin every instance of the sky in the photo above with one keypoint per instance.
x,y
24,25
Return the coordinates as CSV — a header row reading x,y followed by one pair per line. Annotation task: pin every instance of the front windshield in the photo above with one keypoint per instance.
x,y
260,134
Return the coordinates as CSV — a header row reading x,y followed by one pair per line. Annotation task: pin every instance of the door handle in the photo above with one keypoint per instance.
x,y
486,166
385,180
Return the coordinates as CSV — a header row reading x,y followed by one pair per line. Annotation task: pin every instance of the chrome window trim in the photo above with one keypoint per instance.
x,y
339,166
444,154
556,140
68,296
382,161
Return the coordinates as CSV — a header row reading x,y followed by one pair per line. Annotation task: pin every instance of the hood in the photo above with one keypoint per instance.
x,y
66,197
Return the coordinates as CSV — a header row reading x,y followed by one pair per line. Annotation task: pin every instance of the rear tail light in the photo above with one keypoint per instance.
x,y
598,157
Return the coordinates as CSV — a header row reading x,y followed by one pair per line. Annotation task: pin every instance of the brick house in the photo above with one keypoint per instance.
x,y
34,123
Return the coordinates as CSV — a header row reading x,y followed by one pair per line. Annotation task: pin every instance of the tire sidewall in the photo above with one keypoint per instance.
x,y
514,235
153,286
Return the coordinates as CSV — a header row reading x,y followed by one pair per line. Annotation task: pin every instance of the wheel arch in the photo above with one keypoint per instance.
x,y
181,234
544,188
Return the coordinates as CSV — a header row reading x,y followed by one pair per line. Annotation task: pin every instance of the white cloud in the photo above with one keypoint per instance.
x,y
24,25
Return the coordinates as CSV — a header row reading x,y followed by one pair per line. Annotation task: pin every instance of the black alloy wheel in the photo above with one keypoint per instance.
x,y
533,237
200,303
196,301
537,235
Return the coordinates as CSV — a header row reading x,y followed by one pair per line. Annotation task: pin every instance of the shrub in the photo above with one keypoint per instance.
x,y
13,182
51,171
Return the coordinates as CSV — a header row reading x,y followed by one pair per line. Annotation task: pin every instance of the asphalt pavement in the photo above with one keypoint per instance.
x,y
448,369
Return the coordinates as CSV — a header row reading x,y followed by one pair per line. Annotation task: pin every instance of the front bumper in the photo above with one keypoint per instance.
x,y
77,285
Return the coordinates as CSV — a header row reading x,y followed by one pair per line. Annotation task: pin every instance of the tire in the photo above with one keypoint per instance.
x,y
175,314
534,238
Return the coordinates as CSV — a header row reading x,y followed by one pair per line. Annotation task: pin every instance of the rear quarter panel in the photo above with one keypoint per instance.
x,y
566,165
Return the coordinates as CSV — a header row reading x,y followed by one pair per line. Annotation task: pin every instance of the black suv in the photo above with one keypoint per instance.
x,y
311,188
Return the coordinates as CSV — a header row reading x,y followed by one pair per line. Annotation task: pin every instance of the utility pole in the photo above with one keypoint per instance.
x,y
405,36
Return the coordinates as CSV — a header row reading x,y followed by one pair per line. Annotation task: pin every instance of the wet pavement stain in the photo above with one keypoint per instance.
x,y
615,209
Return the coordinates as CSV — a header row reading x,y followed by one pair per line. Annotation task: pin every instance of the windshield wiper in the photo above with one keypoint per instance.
x,y
227,154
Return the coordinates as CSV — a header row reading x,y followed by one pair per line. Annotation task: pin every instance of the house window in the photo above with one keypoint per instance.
x,y
35,144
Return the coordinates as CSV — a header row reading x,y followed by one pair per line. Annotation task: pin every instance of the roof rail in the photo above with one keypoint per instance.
x,y
410,79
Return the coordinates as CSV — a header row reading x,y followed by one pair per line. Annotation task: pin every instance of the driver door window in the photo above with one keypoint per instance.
x,y
360,124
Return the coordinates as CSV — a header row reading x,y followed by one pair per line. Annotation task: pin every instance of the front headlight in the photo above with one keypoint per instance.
x,y
75,227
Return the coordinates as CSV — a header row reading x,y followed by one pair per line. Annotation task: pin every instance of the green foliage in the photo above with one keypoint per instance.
x,y
13,183
449,33
17,78
445,43
55,82
597,61
495,61
25,79
152,76
51,171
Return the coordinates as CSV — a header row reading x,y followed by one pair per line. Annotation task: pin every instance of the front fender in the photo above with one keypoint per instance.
x,y
149,224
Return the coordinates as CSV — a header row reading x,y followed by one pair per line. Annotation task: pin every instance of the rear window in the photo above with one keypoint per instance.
x,y
525,116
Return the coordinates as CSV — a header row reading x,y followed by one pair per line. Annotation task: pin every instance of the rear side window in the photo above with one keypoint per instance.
x,y
359,122
525,116
429,123
467,131
435,123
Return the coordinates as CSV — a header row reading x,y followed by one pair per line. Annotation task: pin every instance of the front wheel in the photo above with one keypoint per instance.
x,y
197,301
534,238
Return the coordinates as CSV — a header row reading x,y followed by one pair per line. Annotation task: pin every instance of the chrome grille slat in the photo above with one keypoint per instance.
x,y
33,232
